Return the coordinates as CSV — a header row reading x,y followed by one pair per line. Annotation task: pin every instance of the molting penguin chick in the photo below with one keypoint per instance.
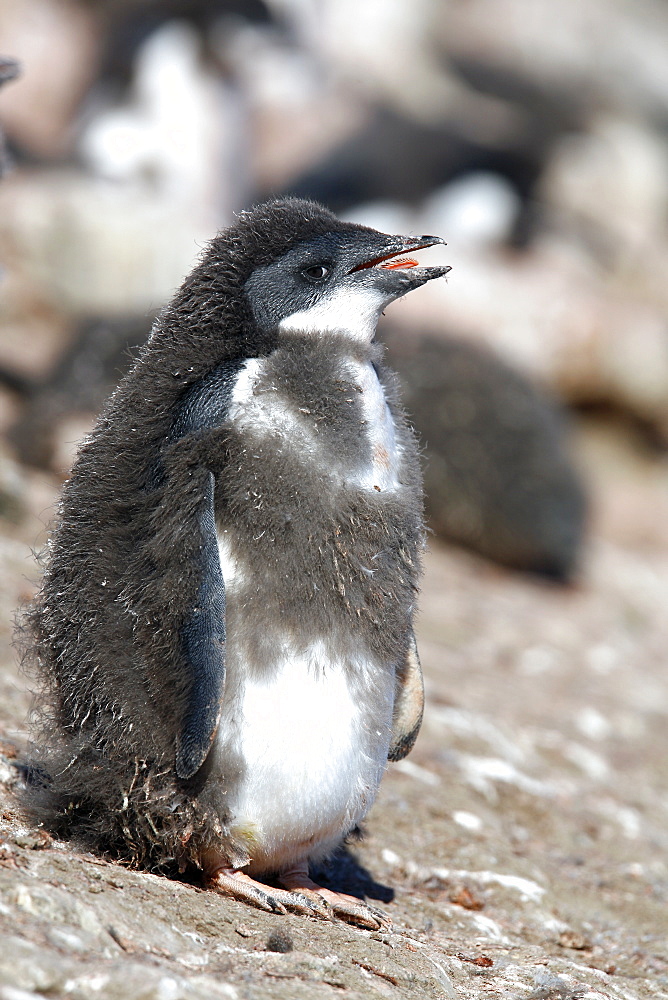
x,y
225,624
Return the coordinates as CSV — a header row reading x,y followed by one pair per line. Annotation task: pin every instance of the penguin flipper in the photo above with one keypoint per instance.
x,y
408,705
202,640
202,637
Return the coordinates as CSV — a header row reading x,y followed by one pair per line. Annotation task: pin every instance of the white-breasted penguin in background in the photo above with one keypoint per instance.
x,y
224,629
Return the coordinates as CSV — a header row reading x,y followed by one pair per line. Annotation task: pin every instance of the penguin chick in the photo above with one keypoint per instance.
x,y
498,475
224,628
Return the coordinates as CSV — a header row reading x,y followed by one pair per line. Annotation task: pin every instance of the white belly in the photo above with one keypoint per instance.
x,y
311,733
312,765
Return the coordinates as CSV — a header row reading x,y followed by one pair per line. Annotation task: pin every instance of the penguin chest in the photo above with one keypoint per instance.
x,y
351,435
312,756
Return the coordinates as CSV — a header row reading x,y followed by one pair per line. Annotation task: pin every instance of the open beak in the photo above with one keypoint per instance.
x,y
397,245
403,273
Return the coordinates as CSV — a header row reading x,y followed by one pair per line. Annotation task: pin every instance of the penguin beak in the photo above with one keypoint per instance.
x,y
395,273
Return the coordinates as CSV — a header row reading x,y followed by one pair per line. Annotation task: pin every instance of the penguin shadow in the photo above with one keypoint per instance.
x,y
344,873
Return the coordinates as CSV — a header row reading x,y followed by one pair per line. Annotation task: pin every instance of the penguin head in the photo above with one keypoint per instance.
x,y
287,265
313,273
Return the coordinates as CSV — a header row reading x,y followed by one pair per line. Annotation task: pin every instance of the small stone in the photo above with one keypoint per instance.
x,y
66,939
10,993
8,858
575,940
34,840
8,749
243,931
121,940
461,895
482,961
280,941
468,820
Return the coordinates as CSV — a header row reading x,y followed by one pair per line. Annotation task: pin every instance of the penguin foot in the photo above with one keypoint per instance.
x,y
345,907
237,885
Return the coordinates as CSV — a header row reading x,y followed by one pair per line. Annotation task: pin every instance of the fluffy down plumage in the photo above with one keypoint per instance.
x,y
120,579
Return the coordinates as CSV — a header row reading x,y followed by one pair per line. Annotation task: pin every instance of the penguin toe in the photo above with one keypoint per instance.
x,y
317,906
309,904
237,885
355,911
348,908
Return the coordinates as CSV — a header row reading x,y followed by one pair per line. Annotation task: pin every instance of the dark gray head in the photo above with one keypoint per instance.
x,y
287,264
337,277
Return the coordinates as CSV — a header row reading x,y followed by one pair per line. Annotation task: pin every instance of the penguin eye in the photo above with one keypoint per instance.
x,y
317,272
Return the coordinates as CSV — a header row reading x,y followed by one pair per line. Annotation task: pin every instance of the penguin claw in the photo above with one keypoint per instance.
x,y
237,885
338,904
299,894
355,911
319,906
309,904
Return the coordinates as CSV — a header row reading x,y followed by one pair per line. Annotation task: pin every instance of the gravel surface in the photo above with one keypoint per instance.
x,y
520,850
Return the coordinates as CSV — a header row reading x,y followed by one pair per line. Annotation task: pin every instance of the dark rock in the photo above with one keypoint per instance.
x,y
280,941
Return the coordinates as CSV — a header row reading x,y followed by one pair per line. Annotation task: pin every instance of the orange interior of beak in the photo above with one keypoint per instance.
x,y
390,261
399,262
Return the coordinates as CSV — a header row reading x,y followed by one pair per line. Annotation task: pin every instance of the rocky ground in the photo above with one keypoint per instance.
x,y
520,851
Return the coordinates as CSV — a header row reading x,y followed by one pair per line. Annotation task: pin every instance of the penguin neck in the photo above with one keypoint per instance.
x,y
325,352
